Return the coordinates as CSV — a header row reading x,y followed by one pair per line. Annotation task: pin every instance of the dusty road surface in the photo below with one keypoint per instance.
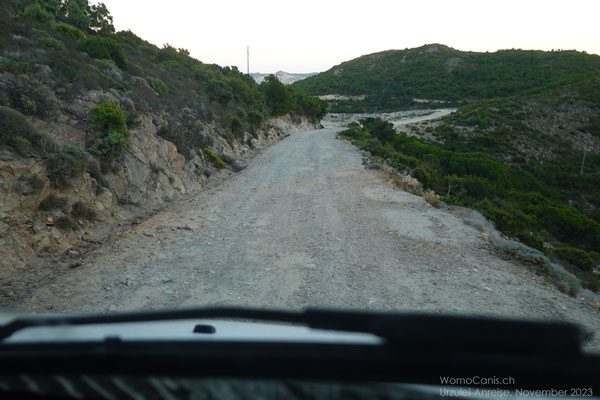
x,y
421,118
305,225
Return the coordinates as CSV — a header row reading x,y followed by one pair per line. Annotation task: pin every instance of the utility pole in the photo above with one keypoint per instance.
x,y
582,161
248,59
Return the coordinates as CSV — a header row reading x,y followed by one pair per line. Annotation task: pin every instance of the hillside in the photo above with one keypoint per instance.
x,y
517,160
98,129
434,75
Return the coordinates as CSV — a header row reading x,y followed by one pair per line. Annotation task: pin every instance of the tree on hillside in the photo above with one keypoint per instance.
x,y
100,19
278,97
76,13
82,15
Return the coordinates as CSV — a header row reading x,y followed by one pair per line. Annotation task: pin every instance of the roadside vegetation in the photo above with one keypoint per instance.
x,y
531,204
52,51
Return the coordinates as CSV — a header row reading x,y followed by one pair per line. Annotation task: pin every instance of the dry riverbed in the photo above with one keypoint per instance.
x,y
305,225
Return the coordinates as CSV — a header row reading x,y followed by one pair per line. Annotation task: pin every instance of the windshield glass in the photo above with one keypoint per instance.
x,y
438,157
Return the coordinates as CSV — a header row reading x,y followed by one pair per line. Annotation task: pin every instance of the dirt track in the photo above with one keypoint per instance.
x,y
305,225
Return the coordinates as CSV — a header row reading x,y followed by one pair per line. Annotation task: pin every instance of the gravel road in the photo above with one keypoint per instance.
x,y
305,225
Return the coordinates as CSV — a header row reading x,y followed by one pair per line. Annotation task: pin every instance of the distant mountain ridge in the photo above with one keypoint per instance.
x,y
428,75
284,77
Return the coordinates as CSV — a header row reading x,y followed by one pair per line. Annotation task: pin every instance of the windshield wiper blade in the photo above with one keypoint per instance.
x,y
431,331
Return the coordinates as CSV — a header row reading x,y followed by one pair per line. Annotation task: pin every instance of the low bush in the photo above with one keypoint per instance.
x,y
565,281
577,257
53,202
531,240
105,48
511,250
110,126
255,118
158,85
237,127
35,181
66,223
432,199
112,145
108,117
17,132
52,43
68,163
127,200
80,210
520,252
35,14
31,96
214,159
69,31
14,66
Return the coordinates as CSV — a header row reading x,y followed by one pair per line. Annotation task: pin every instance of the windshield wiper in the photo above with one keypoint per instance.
x,y
415,348
444,332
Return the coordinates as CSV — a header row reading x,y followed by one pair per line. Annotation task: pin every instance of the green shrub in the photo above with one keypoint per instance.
x,y
53,202
68,163
135,70
27,104
17,132
256,118
66,223
110,126
52,43
109,117
111,145
69,31
237,127
33,97
36,14
279,97
81,211
105,48
14,66
158,85
20,144
214,159
570,226
531,240
579,258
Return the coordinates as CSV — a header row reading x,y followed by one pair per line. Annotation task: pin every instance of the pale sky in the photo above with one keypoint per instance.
x,y
314,35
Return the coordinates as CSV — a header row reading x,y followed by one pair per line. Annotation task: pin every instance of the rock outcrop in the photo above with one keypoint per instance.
x,y
151,173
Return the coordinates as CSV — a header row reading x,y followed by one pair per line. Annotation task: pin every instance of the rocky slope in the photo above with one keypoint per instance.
x,y
99,129
150,174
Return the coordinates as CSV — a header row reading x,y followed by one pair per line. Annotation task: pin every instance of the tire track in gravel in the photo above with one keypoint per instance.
x,y
306,225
